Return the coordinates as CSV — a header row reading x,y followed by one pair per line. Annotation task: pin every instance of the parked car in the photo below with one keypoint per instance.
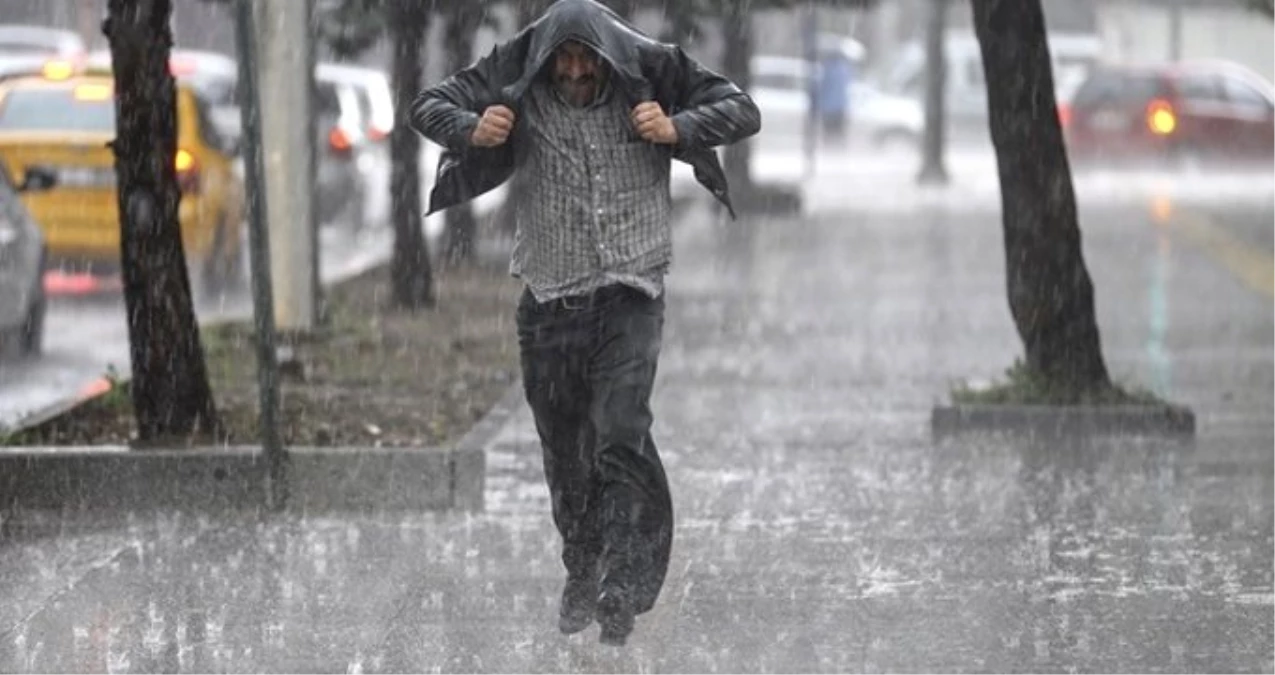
x,y
341,144
41,41
342,153
212,75
885,119
22,64
22,262
65,122
1179,115
965,102
371,88
781,89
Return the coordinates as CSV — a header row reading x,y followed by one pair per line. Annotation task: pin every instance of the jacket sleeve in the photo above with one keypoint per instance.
x,y
448,112
711,110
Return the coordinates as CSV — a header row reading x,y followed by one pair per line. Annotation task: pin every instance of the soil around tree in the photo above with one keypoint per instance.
x,y
372,376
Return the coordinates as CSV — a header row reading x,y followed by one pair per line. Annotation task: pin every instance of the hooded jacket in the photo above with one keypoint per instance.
x,y
706,108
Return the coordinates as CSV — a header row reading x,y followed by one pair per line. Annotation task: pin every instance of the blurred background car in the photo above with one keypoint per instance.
x,y
350,123
885,120
213,76
965,100
16,66
371,89
23,304
26,49
65,122
42,42
341,186
781,89
1172,115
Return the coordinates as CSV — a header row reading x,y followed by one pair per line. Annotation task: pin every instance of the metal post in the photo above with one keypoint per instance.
x,y
1175,30
286,80
811,35
259,253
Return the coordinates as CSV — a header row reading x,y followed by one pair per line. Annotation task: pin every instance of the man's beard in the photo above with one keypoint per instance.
x,y
579,90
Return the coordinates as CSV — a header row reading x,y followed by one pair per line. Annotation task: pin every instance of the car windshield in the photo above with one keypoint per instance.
x,y
87,107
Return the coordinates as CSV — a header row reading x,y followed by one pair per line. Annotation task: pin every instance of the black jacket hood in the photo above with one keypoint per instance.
x,y
595,25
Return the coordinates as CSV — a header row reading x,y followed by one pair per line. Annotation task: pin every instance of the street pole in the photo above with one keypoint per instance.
x,y
811,35
288,146
259,255
933,169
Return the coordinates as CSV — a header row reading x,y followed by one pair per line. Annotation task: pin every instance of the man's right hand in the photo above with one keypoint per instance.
x,y
493,127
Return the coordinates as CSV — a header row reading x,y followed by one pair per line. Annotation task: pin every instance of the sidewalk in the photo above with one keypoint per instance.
x,y
819,526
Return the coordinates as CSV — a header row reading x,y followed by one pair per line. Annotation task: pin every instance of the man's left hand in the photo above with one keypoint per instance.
x,y
652,124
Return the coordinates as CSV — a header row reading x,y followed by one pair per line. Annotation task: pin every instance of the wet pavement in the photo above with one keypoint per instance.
x,y
820,528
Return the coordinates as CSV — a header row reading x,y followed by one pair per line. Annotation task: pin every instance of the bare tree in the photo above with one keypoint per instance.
x,y
463,18
933,169
737,53
170,390
348,28
1051,296
411,276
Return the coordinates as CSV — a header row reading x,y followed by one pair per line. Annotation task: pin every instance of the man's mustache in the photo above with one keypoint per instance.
x,y
582,79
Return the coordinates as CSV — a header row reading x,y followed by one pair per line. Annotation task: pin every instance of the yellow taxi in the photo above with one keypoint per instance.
x,y
62,118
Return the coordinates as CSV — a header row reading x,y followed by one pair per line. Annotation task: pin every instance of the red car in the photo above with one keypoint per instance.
x,y
1178,115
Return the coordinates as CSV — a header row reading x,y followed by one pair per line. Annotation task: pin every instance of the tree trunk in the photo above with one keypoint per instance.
x,y
411,279
680,27
933,170
464,18
737,33
1050,292
171,395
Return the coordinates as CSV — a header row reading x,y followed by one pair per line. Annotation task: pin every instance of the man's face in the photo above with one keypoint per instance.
x,y
577,71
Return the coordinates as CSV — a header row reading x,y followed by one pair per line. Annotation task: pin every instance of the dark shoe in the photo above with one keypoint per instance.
x,y
616,617
579,604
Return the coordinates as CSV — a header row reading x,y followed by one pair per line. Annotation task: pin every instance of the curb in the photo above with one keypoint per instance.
x,y
101,384
1043,420
87,484
84,484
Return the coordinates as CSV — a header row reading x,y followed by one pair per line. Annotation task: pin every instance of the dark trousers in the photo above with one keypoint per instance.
x,y
588,365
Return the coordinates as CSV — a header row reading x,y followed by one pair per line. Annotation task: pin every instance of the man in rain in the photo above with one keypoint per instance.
x,y
591,112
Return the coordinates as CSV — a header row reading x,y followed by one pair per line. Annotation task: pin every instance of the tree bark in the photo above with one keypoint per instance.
x,y
411,279
737,32
464,18
170,390
1051,296
933,169
680,24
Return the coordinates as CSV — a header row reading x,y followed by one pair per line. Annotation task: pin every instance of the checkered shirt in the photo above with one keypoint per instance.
x,y
597,208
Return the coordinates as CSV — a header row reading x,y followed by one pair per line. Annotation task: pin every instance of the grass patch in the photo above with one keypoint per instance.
x,y
371,376
1023,387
